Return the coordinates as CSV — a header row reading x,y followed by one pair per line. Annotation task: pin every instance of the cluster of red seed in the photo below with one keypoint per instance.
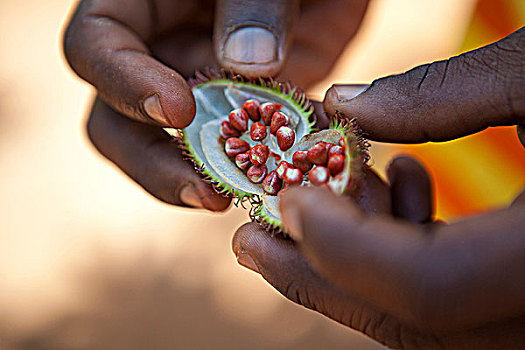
x,y
328,157
321,161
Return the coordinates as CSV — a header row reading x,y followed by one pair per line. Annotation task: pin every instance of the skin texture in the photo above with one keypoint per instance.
x,y
138,54
381,265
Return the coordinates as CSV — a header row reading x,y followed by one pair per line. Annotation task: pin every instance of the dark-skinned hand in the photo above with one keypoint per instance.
x,y
138,54
381,266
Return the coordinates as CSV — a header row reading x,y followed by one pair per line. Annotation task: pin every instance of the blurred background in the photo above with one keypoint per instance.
x,y
90,261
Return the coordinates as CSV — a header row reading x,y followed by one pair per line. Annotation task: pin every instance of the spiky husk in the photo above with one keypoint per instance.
x,y
357,150
271,225
295,95
358,147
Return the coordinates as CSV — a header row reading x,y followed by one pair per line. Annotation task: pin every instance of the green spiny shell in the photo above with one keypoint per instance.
x,y
216,94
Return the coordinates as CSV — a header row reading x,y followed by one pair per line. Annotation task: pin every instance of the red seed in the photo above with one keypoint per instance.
x,y
259,154
258,131
278,119
239,119
285,138
329,146
242,160
233,146
272,184
336,150
319,176
226,130
257,173
267,109
293,176
336,164
301,162
281,168
318,154
342,142
252,107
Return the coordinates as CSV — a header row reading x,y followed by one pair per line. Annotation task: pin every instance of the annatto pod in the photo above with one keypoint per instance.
x,y
217,94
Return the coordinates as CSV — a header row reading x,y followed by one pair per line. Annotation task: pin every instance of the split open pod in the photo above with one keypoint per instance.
x,y
253,139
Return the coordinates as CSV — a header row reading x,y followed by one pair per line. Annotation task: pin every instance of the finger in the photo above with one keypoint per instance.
x,y
150,157
432,282
374,196
442,100
411,190
253,37
370,257
285,268
322,119
105,43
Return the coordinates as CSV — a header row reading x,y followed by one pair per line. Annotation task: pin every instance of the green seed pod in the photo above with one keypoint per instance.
x,y
217,95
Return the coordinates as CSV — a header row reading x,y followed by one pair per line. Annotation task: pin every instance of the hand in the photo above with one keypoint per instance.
x,y
401,279
137,54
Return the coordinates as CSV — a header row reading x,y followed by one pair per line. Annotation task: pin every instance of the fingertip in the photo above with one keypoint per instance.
x,y
411,188
251,51
253,245
242,238
178,104
253,37
330,100
216,202
302,208
338,97
212,200
404,164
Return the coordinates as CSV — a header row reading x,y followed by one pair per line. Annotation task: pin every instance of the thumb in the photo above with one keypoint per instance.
x,y
370,257
442,100
252,37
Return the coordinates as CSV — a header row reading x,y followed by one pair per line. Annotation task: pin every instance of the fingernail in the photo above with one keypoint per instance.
x,y
154,110
521,134
189,196
291,222
345,93
250,45
244,259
